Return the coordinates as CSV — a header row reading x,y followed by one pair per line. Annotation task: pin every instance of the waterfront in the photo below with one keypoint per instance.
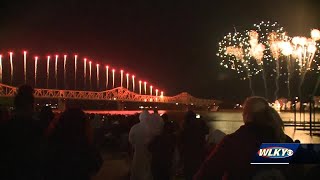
x,y
117,166
230,121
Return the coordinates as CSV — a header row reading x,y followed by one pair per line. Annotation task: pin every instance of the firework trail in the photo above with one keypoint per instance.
x,y
48,70
0,68
269,35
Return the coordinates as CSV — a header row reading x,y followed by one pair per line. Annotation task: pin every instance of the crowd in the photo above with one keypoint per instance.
x,y
51,146
46,147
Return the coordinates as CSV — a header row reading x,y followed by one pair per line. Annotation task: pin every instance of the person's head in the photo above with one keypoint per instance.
x,y
190,117
157,123
256,111
165,117
74,127
24,100
277,124
144,116
155,111
46,115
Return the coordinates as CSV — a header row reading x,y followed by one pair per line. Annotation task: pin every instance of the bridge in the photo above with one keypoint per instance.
x,y
116,94
72,79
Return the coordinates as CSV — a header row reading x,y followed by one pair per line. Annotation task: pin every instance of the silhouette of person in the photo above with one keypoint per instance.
x,y
231,158
22,150
162,148
279,127
193,144
71,153
45,117
140,136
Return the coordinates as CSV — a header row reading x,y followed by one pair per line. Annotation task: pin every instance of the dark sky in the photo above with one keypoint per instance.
x,y
170,43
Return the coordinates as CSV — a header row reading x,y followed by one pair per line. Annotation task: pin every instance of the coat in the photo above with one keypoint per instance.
x,y
140,136
231,158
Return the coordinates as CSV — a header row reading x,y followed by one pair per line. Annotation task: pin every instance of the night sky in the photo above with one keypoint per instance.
x,y
171,43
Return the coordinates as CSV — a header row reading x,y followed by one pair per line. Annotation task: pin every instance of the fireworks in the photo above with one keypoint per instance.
x,y
121,74
90,74
234,52
133,83
107,76
140,86
127,75
56,71
0,68
75,71
47,83
98,80
65,70
25,65
11,66
48,70
35,70
267,46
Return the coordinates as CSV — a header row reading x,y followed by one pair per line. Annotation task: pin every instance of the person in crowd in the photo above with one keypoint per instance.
x,y
231,158
162,148
45,117
140,136
156,124
21,139
193,144
280,125
98,134
4,115
71,152
172,124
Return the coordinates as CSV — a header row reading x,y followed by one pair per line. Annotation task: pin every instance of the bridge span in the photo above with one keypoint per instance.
x,y
116,94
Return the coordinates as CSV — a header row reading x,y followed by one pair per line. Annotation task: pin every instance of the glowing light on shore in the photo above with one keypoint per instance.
x,y
0,68
140,86
133,83
25,65
121,81
113,71
107,76
11,66
151,90
90,74
75,71
161,94
85,72
35,70
157,92
98,80
56,70
48,70
127,75
65,70
145,87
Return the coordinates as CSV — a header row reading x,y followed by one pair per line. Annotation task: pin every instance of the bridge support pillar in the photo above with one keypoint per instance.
x,y
120,106
61,104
